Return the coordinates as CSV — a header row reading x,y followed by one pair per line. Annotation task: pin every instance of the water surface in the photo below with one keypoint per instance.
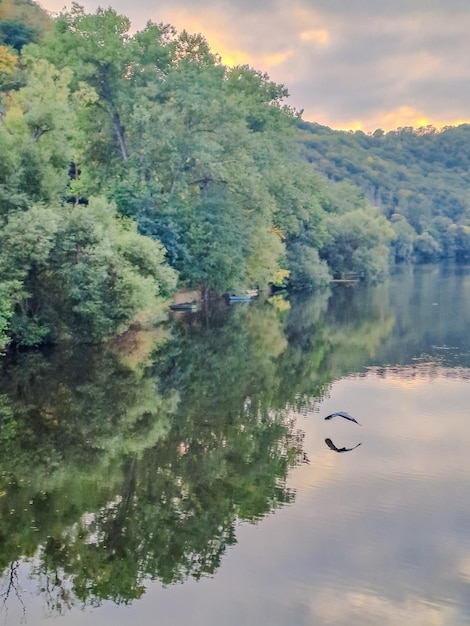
x,y
197,482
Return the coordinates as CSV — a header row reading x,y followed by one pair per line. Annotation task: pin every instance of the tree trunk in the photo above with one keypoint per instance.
x,y
119,130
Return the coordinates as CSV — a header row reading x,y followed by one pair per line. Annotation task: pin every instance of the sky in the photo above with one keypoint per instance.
x,y
348,64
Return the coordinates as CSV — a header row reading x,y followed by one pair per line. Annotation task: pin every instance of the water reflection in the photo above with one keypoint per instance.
x,y
394,517
332,446
125,466
114,475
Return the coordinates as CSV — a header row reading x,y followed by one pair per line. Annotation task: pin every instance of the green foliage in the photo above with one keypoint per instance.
x,y
195,155
307,269
357,240
6,312
36,137
418,178
27,15
80,271
16,33
426,247
462,242
357,244
403,238
177,154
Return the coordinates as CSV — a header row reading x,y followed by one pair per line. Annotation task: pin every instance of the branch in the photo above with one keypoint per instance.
x,y
39,132
13,584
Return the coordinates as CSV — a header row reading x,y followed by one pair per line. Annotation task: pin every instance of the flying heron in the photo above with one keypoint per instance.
x,y
342,414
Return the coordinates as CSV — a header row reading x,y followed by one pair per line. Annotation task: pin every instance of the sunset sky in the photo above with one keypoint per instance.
x,y
347,63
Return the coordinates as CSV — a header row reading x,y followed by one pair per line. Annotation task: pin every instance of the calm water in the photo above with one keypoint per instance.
x,y
189,476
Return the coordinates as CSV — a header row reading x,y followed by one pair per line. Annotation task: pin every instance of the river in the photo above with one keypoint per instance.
x,y
189,475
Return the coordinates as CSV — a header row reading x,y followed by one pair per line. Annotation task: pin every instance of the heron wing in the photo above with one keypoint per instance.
x,y
342,414
331,445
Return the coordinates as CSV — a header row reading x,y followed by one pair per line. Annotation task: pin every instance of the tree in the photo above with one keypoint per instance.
x,y
357,242
462,242
16,33
426,248
95,46
79,272
7,63
38,131
421,174
402,241
6,312
201,187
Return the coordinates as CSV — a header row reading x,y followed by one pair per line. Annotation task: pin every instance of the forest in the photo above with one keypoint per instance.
x,y
133,164
418,179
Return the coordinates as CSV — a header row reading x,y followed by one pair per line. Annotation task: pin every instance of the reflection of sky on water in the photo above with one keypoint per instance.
x,y
380,535
392,522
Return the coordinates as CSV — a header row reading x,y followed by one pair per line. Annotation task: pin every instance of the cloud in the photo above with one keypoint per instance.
x,y
388,119
317,35
361,64
329,607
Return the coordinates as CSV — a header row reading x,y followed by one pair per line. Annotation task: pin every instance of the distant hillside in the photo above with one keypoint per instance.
x,y
418,179
22,21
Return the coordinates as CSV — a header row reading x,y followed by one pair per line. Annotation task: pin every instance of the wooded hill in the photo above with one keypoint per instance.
x,y
131,164
419,179
22,21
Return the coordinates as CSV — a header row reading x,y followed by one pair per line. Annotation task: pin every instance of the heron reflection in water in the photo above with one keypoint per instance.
x,y
332,446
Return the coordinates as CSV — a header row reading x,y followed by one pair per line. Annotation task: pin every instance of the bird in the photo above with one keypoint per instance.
x,y
342,414
332,446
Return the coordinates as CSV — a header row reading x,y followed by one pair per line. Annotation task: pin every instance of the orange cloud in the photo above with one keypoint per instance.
x,y
278,58
403,116
218,31
226,41
399,117
310,24
231,57
322,57
235,38
318,35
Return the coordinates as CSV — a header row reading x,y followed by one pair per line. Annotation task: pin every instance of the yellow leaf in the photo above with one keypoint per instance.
x,y
7,61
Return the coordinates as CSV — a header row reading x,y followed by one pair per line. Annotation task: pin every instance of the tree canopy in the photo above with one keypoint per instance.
x,y
417,178
199,158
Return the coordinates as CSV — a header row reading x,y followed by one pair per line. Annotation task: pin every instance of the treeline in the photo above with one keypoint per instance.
x,y
130,163
419,178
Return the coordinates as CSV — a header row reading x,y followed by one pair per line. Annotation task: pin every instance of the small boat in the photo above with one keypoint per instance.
x,y
244,297
185,306
234,298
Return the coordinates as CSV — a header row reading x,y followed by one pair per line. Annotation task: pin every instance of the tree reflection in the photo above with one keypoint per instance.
x,y
11,587
117,471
